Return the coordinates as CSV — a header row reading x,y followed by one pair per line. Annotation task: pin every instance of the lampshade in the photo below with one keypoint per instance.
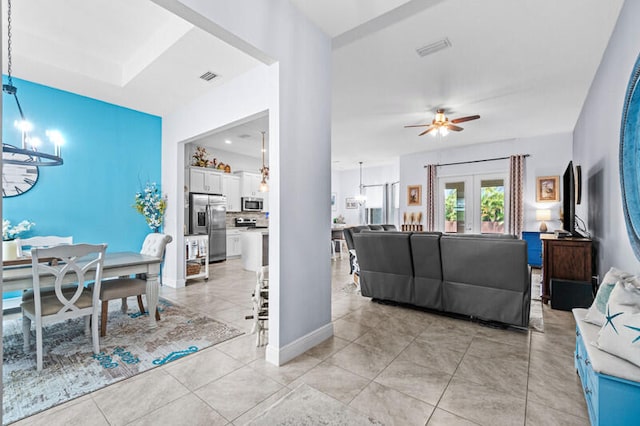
x,y
543,214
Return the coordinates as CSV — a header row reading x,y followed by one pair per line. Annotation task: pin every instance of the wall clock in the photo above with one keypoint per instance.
x,y
18,179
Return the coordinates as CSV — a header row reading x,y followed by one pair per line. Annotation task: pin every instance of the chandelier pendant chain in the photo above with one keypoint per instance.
x,y
9,43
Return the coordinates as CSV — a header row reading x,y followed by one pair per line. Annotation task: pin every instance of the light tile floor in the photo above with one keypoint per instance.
x,y
397,365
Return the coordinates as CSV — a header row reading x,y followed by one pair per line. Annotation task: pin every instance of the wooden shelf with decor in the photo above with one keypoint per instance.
x,y
196,256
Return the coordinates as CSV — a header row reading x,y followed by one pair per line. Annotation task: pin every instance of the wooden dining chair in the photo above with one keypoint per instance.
x,y
40,242
62,305
121,288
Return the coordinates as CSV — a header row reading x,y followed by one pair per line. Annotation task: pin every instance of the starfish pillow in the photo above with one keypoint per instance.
x,y
620,334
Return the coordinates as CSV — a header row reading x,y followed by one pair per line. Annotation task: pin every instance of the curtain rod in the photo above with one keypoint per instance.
x,y
475,161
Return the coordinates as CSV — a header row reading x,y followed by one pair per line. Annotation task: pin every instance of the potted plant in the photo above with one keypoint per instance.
x,y
151,204
9,234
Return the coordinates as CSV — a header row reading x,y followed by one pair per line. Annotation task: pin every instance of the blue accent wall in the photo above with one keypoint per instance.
x,y
110,152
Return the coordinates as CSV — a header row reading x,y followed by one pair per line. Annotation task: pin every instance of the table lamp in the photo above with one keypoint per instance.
x,y
542,215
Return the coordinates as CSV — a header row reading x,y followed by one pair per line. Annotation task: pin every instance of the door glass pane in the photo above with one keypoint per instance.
x,y
492,206
454,207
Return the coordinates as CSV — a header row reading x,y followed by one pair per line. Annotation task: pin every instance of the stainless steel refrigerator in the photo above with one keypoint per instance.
x,y
207,215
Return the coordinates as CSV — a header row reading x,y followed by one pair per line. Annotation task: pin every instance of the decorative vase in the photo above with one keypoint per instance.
x,y
9,250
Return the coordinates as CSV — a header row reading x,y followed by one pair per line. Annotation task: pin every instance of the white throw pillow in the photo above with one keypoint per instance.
x,y
595,314
620,334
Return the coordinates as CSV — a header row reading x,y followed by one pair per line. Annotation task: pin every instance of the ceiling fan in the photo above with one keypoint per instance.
x,y
441,124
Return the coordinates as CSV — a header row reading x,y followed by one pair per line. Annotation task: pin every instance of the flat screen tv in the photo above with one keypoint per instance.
x,y
569,200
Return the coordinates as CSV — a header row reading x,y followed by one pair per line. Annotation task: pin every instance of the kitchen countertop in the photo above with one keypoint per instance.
x,y
263,231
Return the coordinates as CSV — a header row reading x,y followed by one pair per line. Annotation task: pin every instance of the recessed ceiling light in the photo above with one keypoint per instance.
x,y
227,141
433,47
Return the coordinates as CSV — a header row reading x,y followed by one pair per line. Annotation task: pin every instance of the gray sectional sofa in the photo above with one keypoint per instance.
x,y
479,276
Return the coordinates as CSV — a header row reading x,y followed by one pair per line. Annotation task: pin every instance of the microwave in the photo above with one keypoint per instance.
x,y
251,204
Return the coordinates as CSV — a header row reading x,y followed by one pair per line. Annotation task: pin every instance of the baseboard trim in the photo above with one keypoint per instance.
x,y
173,283
280,356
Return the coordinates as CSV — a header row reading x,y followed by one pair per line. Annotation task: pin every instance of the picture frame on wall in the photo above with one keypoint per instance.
x,y
334,204
547,189
414,195
350,203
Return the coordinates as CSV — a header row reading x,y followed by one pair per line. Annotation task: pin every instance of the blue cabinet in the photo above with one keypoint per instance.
x,y
610,400
534,248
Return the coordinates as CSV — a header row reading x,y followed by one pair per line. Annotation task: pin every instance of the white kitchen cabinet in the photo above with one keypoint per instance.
x,y
231,189
196,254
205,181
250,184
234,247
250,187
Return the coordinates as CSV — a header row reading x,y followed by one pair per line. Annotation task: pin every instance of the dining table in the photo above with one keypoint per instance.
x,y
18,275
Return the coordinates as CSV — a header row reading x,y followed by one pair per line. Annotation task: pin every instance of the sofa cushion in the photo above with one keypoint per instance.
x,y
486,278
425,252
376,228
386,270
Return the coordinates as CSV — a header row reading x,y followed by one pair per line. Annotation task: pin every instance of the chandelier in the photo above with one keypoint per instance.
x,y
264,170
28,152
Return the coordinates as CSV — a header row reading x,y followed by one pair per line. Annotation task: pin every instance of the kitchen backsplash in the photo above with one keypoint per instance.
x,y
261,219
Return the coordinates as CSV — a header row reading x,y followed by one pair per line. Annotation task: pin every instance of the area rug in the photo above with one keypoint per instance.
x,y
72,370
306,406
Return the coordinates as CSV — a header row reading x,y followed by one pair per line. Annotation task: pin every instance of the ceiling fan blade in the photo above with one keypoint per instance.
x,y
419,125
454,127
430,129
463,119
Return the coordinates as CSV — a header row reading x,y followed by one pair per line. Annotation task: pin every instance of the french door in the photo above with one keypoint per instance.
x,y
473,204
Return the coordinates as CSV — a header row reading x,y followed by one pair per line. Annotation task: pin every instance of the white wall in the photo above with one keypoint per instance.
x,y
296,91
549,156
596,145
346,185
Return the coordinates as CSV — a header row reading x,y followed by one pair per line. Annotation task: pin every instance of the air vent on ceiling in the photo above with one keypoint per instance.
x,y
433,47
244,136
208,76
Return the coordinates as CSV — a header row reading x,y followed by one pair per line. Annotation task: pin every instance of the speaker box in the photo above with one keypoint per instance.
x,y
567,294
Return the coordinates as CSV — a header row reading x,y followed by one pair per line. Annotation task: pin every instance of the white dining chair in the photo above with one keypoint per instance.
x,y
25,245
40,242
121,288
72,266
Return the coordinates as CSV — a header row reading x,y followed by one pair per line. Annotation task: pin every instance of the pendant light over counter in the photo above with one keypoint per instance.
x,y
264,187
361,198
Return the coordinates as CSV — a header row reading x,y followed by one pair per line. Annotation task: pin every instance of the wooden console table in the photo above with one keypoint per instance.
x,y
564,258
